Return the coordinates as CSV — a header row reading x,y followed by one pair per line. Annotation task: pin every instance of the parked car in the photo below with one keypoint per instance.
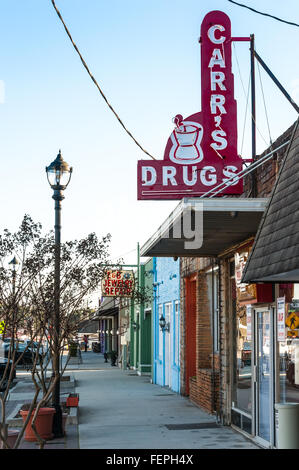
x,y
28,355
33,345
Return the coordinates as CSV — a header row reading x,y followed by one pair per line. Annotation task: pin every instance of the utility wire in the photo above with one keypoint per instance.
x,y
246,97
264,101
264,14
96,83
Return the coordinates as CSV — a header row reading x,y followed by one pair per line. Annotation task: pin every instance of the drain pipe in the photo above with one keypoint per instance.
x,y
213,338
219,414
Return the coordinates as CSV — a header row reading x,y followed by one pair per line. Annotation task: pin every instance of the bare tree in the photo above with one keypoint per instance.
x,y
27,303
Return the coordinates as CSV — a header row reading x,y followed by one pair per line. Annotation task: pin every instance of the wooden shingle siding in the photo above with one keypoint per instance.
x,y
276,247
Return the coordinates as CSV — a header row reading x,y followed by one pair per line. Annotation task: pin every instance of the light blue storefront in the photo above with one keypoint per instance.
x,y
166,344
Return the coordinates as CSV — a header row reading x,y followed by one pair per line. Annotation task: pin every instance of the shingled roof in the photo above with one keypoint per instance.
x,y
275,253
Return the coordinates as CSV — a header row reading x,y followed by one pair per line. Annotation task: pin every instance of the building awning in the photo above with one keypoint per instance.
x,y
225,222
108,312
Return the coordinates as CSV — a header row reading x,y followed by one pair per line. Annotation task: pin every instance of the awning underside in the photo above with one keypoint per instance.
x,y
225,223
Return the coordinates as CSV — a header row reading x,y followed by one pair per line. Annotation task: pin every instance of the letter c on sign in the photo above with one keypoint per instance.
x,y
211,34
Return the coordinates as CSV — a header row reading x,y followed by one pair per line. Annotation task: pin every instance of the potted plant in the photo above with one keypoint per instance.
x,y
72,399
73,346
43,423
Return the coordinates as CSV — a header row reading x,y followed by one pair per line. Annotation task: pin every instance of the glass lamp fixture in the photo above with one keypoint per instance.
x,y
13,264
162,322
59,173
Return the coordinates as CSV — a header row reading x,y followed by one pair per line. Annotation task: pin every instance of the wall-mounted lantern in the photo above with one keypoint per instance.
x,y
163,325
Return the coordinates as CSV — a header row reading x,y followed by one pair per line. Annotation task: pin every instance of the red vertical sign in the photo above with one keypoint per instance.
x,y
201,152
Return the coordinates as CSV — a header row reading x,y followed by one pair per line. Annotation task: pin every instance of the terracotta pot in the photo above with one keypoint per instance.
x,y
72,399
11,438
44,424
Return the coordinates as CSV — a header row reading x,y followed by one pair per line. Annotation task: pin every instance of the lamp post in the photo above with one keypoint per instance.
x,y
59,175
13,264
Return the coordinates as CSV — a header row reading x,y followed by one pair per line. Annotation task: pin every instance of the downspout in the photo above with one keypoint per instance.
x,y
155,288
219,411
213,339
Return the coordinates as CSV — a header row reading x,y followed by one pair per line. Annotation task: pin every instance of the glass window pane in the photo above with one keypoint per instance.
x,y
243,359
287,387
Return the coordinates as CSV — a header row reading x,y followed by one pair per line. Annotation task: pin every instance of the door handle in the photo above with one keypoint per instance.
x,y
254,373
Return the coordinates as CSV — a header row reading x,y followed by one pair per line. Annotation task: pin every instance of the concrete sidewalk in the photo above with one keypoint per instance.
x,y
121,410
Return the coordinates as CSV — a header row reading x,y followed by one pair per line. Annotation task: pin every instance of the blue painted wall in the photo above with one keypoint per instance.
x,y
166,368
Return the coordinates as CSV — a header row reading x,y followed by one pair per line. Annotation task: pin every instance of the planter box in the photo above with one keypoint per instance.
x,y
72,399
11,438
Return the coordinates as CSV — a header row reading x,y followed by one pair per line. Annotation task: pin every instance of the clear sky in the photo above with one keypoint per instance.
x,y
146,57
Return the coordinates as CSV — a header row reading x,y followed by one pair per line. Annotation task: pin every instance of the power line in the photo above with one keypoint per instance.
x,y
264,14
96,83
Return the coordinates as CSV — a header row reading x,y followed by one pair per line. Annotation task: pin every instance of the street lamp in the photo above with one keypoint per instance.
x,y
59,175
13,264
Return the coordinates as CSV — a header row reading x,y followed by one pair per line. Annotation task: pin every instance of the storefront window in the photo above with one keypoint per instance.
x,y
242,355
287,385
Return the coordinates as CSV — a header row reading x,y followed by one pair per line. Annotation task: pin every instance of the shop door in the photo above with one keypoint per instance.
x,y
264,406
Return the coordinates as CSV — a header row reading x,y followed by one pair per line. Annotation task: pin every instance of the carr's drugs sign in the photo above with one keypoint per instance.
x,y
201,152
118,284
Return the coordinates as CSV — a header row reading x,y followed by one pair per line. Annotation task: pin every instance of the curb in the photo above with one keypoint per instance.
x,y
14,421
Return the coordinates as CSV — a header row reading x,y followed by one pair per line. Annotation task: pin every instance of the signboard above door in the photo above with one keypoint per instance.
x,y
201,152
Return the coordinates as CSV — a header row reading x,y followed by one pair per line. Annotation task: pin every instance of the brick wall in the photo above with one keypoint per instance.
x,y
203,327
202,391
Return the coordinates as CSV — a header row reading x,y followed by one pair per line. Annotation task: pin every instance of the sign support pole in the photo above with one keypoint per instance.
x,y
253,114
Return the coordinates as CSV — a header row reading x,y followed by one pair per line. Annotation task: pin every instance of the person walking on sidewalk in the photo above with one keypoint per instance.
x,y
85,339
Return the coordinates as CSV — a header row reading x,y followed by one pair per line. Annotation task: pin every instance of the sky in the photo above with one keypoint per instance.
x,y
145,56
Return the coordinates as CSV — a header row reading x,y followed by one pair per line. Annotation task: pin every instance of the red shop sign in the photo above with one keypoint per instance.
x,y
201,152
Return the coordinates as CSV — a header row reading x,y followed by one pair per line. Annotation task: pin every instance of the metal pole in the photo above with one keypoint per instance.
x,y
57,422
14,303
282,89
253,115
138,262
